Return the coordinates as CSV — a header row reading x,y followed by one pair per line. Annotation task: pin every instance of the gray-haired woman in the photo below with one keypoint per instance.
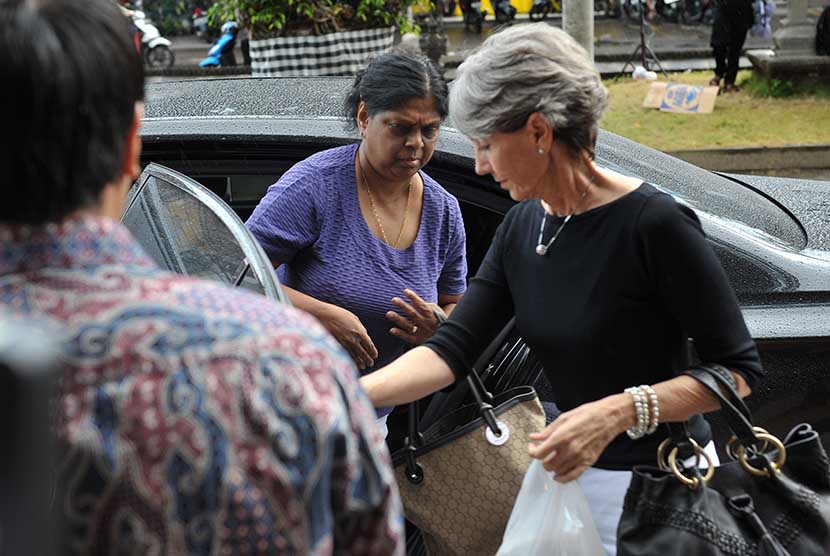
x,y
607,275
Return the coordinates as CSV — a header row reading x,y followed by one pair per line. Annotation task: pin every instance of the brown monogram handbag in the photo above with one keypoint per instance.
x,y
459,478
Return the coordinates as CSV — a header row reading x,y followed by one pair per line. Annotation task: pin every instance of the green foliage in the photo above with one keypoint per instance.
x,y
170,16
267,18
761,87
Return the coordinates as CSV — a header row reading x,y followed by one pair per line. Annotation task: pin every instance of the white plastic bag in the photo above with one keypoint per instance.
x,y
550,519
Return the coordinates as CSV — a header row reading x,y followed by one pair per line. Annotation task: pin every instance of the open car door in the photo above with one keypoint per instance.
x,y
187,229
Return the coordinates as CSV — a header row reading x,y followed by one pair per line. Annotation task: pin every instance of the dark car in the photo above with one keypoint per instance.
x,y
235,137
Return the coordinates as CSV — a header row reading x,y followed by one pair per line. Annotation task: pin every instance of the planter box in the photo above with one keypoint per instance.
x,y
341,53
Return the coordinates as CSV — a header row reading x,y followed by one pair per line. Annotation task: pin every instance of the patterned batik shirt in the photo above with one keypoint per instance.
x,y
195,418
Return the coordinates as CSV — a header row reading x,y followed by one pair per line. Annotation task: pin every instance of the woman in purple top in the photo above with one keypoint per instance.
x,y
362,238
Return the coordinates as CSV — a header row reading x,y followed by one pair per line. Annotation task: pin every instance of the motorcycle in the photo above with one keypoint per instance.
x,y
221,53
677,11
607,8
473,15
540,9
447,7
200,23
155,49
505,11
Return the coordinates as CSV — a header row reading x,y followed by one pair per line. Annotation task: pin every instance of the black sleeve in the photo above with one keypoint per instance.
x,y
481,313
692,284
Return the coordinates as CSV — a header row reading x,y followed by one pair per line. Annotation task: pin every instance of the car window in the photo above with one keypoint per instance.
x,y
187,229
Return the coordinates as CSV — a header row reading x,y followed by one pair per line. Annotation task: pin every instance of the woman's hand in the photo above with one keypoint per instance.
x,y
352,335
575,440
416,321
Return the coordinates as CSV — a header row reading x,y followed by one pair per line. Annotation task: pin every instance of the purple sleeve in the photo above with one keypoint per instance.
x,y
453,279
288,217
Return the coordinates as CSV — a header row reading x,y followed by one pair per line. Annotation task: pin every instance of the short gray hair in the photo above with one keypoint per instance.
x,y
525,69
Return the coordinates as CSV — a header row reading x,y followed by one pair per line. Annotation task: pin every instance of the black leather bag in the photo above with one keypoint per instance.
x,y
772,499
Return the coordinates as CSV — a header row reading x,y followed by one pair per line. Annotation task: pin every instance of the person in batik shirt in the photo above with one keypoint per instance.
x,y
193,418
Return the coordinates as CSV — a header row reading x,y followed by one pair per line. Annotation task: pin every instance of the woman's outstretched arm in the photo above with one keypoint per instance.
x,y
415,374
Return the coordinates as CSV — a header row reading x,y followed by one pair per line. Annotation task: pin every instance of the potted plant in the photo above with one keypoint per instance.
x,y
315,37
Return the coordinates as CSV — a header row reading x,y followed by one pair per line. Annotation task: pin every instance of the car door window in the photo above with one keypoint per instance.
x,y
187,229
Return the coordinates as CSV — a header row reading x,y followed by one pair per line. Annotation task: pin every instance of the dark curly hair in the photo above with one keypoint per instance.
x,y
393,78
72,76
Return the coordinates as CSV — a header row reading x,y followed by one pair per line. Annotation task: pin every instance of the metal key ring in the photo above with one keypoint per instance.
x,y
663,464
694,482
733,452
775,465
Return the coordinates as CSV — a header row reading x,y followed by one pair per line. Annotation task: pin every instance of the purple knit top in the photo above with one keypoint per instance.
x,y
310,220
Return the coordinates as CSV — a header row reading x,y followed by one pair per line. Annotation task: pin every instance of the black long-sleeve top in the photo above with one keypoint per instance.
x,y
610,306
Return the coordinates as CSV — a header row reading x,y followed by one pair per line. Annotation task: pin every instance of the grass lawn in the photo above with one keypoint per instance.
x,y
739,119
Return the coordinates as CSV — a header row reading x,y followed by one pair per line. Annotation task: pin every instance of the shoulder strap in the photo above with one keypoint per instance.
x,y
734,410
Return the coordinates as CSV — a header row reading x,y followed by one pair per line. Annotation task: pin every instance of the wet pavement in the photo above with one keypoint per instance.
x,y
678,47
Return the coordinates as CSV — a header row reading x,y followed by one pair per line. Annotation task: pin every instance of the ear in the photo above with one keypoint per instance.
x,y
114,194
540,131
130,164
362,117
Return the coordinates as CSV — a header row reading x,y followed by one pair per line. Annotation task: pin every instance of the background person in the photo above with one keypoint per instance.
x,y
732,21
363,239
193,418
607,275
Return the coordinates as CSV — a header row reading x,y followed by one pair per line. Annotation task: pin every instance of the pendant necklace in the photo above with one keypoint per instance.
x,y
542,248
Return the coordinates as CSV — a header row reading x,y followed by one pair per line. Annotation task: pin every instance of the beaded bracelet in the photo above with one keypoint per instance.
x,y
653,406
641,406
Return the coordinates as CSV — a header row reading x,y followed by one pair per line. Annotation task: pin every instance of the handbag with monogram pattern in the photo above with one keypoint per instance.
x,y
459,478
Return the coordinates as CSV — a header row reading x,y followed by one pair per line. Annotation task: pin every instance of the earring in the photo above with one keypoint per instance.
x,y
540,151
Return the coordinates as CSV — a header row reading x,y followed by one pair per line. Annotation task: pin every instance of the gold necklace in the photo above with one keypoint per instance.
x,y
375,211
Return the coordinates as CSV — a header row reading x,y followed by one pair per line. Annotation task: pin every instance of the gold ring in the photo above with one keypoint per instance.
x,y
776,465
414,328
661,451
693,482
732,452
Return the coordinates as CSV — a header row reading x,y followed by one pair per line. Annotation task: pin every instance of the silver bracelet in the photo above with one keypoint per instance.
x,y
653,406
641,407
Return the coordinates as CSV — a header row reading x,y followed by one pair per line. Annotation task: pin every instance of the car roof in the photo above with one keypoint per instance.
x,y
309,106
248,96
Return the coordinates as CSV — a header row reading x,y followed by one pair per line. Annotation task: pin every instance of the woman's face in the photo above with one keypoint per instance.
x,y
399,142
513,159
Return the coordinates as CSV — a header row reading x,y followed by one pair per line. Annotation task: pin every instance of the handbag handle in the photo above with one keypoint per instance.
x,y
727,383
484,400
739,420
737,415
735,411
